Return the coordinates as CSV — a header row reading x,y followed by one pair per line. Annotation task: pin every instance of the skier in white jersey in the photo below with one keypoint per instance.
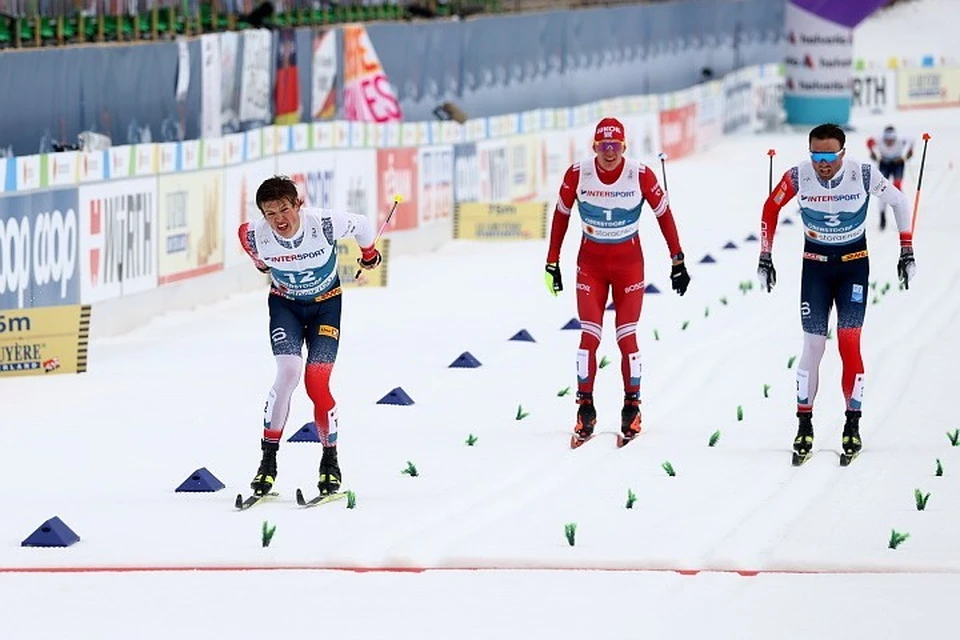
x,y
891,152
834,194
297,246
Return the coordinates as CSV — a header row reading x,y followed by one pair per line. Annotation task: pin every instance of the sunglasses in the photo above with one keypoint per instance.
x,y
825,156
610,145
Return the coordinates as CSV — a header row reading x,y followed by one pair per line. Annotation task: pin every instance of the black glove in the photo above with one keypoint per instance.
x,y
679,278
765,271
552,278
906,266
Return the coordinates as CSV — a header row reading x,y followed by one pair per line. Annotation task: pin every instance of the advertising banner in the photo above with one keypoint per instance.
x,y
240,204
555,159
211,123
355,189
524,168
737,106
435,184
709,114
819,64
191,225
928,87
397,174
466,170
323,85
118,239
44,340
255,89
39,249
367,94
874,92
678,131
494,171
506,221
314,172
287,84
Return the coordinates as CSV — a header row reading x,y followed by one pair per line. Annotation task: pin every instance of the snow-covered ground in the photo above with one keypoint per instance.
x,y
105,450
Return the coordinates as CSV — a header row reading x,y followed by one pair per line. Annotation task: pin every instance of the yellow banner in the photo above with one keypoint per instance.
x,y
928,87
500,221
44,340
190,225
347,253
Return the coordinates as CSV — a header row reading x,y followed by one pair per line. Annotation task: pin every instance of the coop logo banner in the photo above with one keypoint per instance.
x,y
39,250
44,341
118,239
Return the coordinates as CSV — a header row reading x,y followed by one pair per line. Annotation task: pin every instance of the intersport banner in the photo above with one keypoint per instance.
x,y
819,58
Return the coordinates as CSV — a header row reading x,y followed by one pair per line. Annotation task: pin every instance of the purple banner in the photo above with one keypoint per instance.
x,y
848,13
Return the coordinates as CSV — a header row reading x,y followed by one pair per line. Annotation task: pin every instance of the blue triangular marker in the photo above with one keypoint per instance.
x,y
651,288
787,221
465,361
523,336
397,396
573,324
306,433
707,259
750,238
52,533
610,306
201,480
730,245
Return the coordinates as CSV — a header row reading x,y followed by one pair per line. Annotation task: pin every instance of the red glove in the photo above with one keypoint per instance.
x,y
369,257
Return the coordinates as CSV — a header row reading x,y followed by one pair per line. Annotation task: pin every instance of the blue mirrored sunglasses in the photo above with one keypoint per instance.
x,y
825,156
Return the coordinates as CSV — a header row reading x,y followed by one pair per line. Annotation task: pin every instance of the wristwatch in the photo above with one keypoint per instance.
x,y
678,257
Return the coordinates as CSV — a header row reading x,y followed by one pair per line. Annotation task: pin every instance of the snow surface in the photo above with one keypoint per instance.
x,y
909,31
105,450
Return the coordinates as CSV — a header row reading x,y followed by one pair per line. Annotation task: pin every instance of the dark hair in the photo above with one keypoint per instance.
x,y
828,131
277,188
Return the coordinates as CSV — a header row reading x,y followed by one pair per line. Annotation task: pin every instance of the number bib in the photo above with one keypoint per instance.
x,y
305,266
834,213
609,213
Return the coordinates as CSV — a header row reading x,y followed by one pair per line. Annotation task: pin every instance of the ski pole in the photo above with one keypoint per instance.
x,y
397,199
663,168
916,198
771,153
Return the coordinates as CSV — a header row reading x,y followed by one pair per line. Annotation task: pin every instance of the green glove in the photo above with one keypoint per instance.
x,y
552,278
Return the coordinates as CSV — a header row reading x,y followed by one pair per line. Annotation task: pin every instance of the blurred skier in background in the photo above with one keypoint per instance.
x,y
890,151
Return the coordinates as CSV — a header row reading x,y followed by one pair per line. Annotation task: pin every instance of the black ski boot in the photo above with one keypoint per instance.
x,y
851,438
586,420
629,418
803,443
267,473
329,472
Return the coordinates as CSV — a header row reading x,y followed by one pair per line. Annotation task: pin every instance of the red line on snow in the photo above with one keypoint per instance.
x,y
404,569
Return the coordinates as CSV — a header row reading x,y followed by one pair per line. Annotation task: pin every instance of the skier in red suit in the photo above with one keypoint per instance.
x,y
610,190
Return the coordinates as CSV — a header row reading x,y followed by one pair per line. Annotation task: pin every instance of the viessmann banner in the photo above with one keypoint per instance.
x,y
44,340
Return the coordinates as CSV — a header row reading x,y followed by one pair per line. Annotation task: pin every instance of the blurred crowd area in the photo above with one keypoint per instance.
x,y
39,23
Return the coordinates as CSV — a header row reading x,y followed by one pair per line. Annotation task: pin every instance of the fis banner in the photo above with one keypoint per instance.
x,y
44,340
819,58
367,94
505,221
348,252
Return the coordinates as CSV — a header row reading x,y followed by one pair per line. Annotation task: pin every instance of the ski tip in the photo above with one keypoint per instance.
x,y
239,501
300,500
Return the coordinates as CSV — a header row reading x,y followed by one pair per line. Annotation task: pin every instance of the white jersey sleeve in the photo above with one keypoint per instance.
x,y
888,194
346,225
